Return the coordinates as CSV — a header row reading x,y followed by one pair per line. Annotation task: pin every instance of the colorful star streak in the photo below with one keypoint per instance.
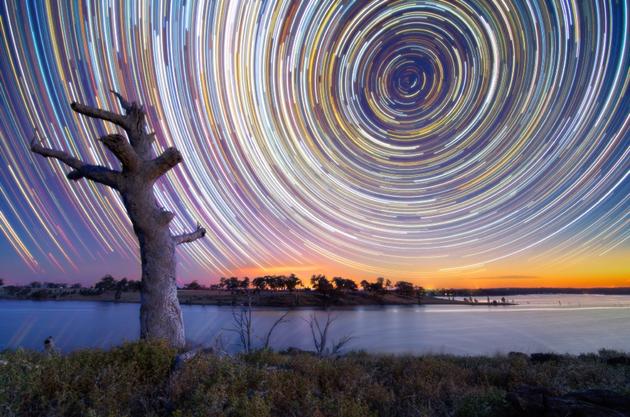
x,y
406,138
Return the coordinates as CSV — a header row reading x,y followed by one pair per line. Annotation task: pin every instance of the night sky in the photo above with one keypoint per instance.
x,y
455,143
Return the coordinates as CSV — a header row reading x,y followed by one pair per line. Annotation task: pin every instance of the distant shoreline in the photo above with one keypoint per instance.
x,y
286,299
508,291
310,298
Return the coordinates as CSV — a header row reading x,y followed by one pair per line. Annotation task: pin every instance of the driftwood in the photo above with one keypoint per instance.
x,y
160,313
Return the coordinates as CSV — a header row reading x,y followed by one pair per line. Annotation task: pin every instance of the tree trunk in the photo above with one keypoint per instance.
x,y
160,313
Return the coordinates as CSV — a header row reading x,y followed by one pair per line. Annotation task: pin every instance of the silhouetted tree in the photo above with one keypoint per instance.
x,y
384,284
134,285
404,287
121,286
244,283
227,283
233,283
274,282
193,286
292,282
321,284
107,283
378,286
160,312
260,283
344,284
420,292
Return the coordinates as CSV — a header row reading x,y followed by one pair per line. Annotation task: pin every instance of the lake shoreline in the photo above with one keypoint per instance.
x,y
284,299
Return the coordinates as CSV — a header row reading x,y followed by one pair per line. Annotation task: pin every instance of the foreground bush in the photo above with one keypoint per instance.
x,y
138,379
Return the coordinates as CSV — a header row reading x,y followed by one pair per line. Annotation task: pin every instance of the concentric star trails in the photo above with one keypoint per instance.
x,y
411,137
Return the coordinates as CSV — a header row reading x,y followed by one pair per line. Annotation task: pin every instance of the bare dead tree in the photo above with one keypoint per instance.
x,y
279,320
160,313
242,325
319,332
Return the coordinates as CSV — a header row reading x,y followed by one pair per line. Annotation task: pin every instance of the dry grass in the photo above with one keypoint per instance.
x,y
138,379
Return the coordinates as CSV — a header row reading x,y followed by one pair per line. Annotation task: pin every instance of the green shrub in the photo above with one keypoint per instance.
x,y
482,403
138,379
124,381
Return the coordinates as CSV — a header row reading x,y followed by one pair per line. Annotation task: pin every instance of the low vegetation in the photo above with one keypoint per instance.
x,y
143,379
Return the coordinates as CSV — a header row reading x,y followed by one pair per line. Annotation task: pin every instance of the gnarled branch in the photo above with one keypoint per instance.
x,y
97,113
190,237
163,163
134,114
132,121
80,170
123,150
95,173
123,102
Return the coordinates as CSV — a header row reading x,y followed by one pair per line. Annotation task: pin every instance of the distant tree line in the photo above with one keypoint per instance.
x,y
319,283
267,282
109,283
43,290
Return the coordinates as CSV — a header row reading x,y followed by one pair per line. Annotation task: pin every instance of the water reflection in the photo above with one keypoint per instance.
x,y
578,324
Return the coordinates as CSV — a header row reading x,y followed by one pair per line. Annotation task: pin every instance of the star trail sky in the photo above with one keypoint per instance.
x,y
446,142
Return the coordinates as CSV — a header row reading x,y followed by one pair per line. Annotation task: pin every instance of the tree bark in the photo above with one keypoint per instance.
x,y
160,312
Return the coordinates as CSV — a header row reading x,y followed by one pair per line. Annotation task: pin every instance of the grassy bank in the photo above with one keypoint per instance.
x,y
141,379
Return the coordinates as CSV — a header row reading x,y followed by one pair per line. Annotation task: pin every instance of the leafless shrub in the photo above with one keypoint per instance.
x,y
280,320
319,332
242,325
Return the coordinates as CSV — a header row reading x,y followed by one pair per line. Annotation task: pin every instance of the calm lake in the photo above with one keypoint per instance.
x,y
541,323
